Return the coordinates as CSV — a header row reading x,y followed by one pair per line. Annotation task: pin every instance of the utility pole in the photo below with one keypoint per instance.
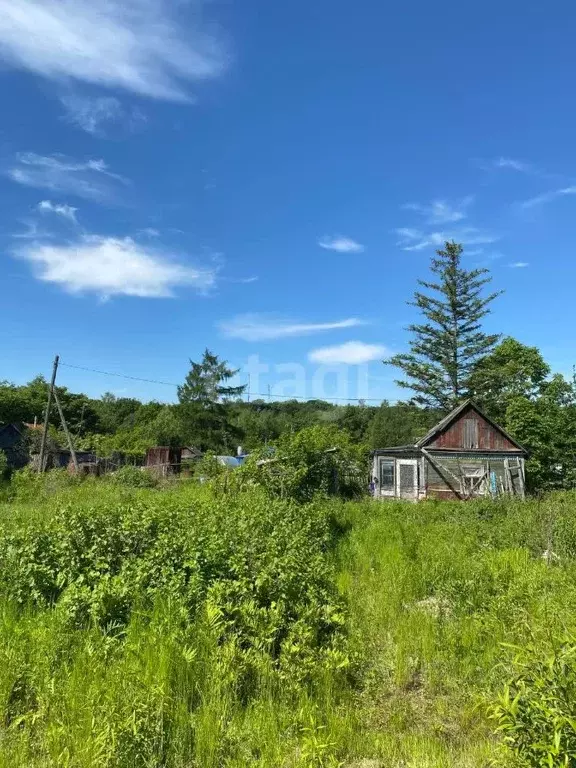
x,y
47,414
65,428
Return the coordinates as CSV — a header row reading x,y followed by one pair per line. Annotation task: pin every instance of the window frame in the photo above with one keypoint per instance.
x,y
388,490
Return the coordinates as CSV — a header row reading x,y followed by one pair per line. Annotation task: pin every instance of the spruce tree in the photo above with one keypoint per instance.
x,y
203,403
445,348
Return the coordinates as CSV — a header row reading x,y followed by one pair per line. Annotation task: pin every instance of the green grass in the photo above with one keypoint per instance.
x,y
434,591
181,627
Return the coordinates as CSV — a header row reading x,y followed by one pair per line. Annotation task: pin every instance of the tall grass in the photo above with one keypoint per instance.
x,y
179,627
436,593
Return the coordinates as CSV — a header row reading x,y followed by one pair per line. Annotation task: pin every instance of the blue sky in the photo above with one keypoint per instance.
x,y
269,180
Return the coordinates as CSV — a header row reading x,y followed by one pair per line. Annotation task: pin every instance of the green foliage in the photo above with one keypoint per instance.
x,y
4,468
434,591
261,563
511,371
134,477
444,350
400,424
535,712
28,485
192,627
547,427
202,400
317,460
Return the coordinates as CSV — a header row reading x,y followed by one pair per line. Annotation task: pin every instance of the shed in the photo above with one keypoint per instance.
x,y
13,443
164,460
464,456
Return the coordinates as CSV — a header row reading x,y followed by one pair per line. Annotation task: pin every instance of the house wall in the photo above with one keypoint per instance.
x,y
443,482
438,486
471,431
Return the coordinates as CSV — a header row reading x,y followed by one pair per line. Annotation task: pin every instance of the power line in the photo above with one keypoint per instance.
x,y
119,375
267,394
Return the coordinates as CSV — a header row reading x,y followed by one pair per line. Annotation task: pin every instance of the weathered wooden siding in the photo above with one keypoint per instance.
x,y
471,431
455,465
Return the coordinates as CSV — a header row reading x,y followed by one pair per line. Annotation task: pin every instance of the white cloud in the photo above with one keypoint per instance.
x,y
514,165
97,115
442,212
109,266
340,243
518,264
137,45
264,328
350,353
150,232
60,209
547,197
90,178
417,240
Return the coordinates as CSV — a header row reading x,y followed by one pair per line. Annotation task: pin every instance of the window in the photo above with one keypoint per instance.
x,y
474,480
470,433
387,475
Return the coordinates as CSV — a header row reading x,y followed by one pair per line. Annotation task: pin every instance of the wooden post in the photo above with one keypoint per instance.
x,y
66,432
47,414
442,472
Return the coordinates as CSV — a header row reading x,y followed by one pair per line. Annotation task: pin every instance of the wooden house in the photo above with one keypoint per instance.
x,y
464,456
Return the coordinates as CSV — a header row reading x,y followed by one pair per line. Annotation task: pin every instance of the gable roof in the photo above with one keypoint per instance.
x,y
453,415
11,425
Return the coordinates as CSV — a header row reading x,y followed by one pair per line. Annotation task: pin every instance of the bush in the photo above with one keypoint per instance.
x,y
29,485
4,470
262,565
535,712
134,477
317,460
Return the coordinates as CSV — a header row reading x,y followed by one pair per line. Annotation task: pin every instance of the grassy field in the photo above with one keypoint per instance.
x,y
190,627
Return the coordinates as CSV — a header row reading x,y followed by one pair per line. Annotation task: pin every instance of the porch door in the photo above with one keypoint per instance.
x,y
407,479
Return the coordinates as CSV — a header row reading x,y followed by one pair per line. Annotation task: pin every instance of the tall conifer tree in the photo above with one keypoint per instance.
x,y
445,347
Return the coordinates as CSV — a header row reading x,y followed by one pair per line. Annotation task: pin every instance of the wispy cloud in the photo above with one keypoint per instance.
x,y
60,209
90,179
32,231
340,243
509,163
516,166
98,115
108,266
547,197
137,45
441,211
254,327
417,240
518,264
349,353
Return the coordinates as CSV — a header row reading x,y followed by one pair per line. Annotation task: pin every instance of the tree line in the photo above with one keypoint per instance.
x,y
450,357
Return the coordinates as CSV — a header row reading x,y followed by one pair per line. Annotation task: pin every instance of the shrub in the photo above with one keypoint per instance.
x,y
134,477
29,485
535,712
4,470
262,564
317,460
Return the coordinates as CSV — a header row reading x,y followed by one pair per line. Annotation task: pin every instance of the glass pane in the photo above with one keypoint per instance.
x,y
387,475
407,477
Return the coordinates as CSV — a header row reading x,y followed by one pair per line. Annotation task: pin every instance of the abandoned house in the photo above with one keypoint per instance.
x,y
464,456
